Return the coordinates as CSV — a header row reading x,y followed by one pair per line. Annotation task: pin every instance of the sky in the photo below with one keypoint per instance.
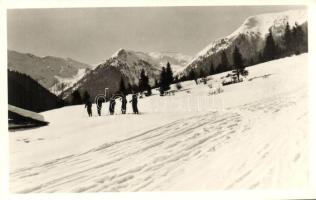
x,y
91,35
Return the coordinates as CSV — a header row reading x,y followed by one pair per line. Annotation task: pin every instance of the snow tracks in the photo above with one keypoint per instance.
x,y
134,163
149,160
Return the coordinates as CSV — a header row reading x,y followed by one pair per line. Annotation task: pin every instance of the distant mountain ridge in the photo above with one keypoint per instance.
x,y
49,71
126,64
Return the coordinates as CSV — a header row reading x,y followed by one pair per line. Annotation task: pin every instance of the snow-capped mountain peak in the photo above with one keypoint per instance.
x,y
261,24
128,64
157,60
258,25
249,36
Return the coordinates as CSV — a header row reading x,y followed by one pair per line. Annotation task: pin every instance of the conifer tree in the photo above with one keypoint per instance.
x,y
270,49
123,89
86,97
224,62
288,39
144,83
299,39
212,71
76,98
163,81
202,74
176,79
169,75
238,61
192,76
129,88
156,83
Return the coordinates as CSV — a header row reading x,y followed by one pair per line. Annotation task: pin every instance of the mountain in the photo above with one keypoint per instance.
x,y
127,64
177,60
26,93
54,73
136,61
249,38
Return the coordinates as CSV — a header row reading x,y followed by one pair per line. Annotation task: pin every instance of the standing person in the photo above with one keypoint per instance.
x,y
124,102
99,105
88,105
112,106
134,103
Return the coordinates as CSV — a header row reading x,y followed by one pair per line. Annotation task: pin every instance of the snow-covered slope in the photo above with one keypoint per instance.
x,y
254,135
249,37
54,73
65,83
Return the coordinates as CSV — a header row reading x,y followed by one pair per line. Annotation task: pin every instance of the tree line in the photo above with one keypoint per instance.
x,y
293,41
25,92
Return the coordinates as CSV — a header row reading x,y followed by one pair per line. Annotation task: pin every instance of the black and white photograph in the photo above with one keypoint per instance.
x,y
158,98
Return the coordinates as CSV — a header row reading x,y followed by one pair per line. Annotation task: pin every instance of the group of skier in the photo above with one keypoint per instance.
x,y
134,101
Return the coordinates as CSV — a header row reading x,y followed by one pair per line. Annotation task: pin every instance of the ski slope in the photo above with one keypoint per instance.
x,y
254,135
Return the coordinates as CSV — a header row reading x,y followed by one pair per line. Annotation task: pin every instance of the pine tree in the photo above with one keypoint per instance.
x,y
251,62
144,83
148,88
211,69
162,82
300,39
288,39
141,81
176,79
129,88
134,89
202,74
224,62
169,75
238,61
270,49
123,89
86,97
76,98
192,76
156,83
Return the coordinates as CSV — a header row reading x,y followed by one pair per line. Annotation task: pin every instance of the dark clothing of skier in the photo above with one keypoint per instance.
x,y
99,106
134,103
124,102
112,106
88,105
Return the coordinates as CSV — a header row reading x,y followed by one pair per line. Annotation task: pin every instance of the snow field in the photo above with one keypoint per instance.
x,y
252,136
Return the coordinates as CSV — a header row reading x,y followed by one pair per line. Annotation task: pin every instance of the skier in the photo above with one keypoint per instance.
x,y
124,102
99,105
88,105
134,103
112,106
